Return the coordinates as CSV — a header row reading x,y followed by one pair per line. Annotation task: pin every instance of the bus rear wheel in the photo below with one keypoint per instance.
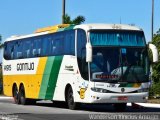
x,y
22,96
23,99
70,100
16,95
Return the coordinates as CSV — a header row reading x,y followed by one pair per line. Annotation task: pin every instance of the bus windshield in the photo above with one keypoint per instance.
x,y
119,64
119,56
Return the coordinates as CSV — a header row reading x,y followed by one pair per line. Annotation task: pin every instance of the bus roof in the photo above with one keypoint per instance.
x,y
86,27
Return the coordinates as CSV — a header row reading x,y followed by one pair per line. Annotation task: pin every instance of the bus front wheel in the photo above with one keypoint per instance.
x,y
70,100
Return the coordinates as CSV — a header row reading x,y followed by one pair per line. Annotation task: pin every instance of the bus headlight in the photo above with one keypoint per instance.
x,y
101,90
143,90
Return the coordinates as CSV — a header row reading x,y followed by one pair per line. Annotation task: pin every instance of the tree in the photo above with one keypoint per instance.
x,y
78,20
156,67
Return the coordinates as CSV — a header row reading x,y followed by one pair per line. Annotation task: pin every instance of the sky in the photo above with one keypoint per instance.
x,y
19,17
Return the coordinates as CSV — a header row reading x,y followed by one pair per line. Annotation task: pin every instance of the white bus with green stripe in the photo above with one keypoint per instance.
x,y
89,63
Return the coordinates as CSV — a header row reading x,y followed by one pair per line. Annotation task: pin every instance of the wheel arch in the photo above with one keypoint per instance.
x,y
21,84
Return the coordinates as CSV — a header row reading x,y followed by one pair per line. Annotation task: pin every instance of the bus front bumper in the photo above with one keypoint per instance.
x,y
96,97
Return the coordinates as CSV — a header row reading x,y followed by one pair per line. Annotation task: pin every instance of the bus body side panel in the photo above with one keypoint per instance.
x,y
69,75
49,78
7,85
66,76
29,75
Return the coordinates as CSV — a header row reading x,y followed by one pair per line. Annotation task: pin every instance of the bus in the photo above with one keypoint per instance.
x,y
88,63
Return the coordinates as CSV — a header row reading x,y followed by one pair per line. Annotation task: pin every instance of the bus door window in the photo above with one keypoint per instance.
x,y
83,65
81,53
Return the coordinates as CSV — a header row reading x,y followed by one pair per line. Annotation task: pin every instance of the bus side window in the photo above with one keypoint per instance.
x,y
53,47
46,43
19,50
69,43
36,48
11,51
6,51
15,50
27,49
57,44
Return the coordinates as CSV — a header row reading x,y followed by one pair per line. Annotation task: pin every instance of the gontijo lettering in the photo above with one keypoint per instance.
x,y
25,66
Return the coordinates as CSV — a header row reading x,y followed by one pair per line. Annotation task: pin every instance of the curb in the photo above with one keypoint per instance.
x,y
142,105
5,97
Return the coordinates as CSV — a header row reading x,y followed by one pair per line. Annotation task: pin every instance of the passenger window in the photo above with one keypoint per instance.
x,y
20,50
46,45
36,48
69,43
27,49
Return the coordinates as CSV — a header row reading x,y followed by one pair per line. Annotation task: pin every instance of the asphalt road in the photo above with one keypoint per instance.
x,y
46,110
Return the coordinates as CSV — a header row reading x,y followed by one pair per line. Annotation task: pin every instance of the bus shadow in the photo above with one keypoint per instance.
x,y
99,107
110,108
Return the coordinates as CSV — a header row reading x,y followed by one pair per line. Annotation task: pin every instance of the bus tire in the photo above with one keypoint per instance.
x,y
120,107
70,100
16,95
23,99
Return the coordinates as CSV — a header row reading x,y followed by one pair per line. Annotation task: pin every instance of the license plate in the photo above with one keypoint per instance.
x,y
123,98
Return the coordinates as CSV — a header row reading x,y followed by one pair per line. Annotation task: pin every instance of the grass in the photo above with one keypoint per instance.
x,y
155,101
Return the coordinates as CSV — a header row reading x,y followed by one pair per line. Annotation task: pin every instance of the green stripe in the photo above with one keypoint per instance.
x,y
60,29
69,27
130,85
53,77
126,85
45,78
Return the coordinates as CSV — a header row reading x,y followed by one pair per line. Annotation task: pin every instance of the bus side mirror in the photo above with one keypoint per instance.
x,y
88,52
154,50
